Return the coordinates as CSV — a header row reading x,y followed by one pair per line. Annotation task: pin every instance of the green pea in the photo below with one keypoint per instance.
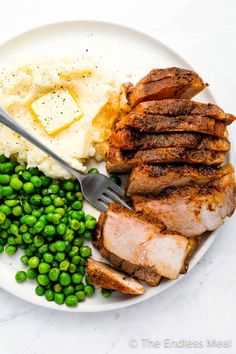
x,y
58,202
77,215
68,185
6,191
43,218
5,179
70,196
37,213
43,249
2,218
49,294
80,295
43,268
43,279
64,265
52,248
38,227
60,211
91,224
46,200
57,288
77,205
78,241
79,196
31,274
72,268
49,230
71,301
64,279
56,219
74,224
74,251
89,290
30,220
36,181
16,183
87,235
77,278
76,260
39,290
28,187
11,240
85,251
68,290
36,199
23,228
4,234
33,262
14,230
24,260
53,188
6,167
27,238
38,241
10,250
59,298
5,209
17,211
28,252
61,229
79,287
83,262
81,270
60,246
46,181
106,293
48,257
26,176
82,228
93,171
20,276
19,168
27,208
116,179
49,209
54,274
69,235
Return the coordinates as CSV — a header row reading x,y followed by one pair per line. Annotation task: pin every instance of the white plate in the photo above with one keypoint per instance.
x,y
126,52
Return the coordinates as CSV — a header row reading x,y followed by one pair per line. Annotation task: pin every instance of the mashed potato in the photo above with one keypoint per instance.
x,y
97,94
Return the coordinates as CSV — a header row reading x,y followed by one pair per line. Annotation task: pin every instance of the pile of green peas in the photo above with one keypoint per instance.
x,y
44,218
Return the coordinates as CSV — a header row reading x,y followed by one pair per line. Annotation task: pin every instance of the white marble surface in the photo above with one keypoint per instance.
x,y
202,305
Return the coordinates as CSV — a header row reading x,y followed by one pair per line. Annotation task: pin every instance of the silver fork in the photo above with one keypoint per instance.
x,y
97,189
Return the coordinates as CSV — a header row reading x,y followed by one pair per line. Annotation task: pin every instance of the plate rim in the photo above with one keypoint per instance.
x,y
204,247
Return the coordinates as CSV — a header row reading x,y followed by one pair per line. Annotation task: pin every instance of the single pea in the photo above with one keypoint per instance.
x,y
83,261
70,196
78,241
57,288
48,257
59,298
23,228
74,224
60,211
74,251
106,293
64,265
82,228
37,213
61,229
20,276
69,235
61,193
93,171
27,208
4,234
46,200
24,260
49,294
68,290
33,262
88,280
68,185
36,181
78,205
49,209
49,217
49,230
115,179
76,260
65,220
16,183
14,230
77,278
72,268
85,251
2,218
28,252
30,220
38,241
26,176
46,181
11,240
36,199
79,196
43,249
5,179
53,188
58,202
89,290
6,167
64,279
38,227
39,290
90,224
54,274
27,238
52,248
43,218
10,250
34,171
80,295
43,268
5,209
76,215
87,235
60,246
89,217
28,187
31,274
81,270
19,240
6,191
19,168
79,287
43,279
17,211
71,301
56,219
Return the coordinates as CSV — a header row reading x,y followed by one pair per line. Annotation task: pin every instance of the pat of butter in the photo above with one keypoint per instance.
x,y
56,110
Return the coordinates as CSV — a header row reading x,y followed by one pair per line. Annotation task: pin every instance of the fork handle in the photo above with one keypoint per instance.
x,y
9,122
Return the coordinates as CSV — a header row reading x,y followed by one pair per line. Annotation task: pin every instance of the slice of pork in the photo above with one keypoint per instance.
x,y
105,276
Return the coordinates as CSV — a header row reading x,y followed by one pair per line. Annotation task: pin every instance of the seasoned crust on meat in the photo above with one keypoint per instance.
x,y
166,83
